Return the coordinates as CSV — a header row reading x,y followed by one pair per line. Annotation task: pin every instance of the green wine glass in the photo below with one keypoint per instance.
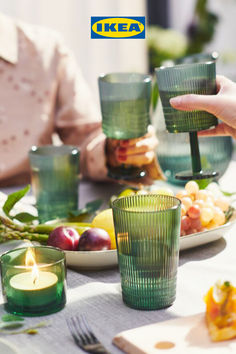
x,y
195,78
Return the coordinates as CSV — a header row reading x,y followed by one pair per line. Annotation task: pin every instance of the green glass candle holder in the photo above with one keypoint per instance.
x,y
33,286
195,78
147,229
125,104
55,180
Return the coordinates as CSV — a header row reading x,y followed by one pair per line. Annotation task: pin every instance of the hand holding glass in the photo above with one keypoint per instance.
x,y
195,78
125,103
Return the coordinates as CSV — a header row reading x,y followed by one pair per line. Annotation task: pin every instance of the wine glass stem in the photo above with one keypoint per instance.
x,y
195,154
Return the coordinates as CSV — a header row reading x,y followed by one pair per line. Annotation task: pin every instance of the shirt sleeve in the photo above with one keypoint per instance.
x,y
77,118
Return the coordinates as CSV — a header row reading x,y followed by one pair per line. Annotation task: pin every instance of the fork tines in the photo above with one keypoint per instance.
x,y
83,335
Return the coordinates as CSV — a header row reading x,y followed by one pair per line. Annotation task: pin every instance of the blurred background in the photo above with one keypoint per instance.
x,y
205,25
175,29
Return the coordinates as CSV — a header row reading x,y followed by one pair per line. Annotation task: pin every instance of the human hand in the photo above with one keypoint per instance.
x,y
222,105
135,152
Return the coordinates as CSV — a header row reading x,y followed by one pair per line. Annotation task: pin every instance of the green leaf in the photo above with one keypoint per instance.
x,y
13,199
10,325
11,318
227,194
89,208
229,213
30,330
227,283
25,217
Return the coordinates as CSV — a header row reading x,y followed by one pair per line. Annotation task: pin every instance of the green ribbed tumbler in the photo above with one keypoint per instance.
x,y
147,231
192,78
125,104
55,178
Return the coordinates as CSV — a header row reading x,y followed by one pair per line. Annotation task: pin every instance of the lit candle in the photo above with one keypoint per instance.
x,y
33,280
35,286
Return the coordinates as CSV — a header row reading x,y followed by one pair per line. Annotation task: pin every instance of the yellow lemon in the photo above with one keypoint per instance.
x,y
126,192
104,220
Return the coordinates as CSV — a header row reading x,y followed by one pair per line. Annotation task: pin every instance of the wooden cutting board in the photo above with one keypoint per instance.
x,y
186,335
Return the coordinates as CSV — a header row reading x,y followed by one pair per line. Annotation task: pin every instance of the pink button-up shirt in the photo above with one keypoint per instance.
x,y
43,92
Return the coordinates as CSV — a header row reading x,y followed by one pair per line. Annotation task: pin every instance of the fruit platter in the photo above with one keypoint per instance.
x,y
89,240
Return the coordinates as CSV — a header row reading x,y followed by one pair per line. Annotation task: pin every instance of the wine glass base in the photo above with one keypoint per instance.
x,y
189,175
128,173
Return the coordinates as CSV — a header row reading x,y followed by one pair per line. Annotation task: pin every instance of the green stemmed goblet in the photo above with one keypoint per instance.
x,y
125,104
195,78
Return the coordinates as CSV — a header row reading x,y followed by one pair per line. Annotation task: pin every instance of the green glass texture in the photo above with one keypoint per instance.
x,y
195,78
174,150
55,180
147,229
34,302
174,154
198,58
125,104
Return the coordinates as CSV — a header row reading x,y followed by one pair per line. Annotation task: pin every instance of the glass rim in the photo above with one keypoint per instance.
x,y
184,65
209,56
56,249
64,150
146,78
174,207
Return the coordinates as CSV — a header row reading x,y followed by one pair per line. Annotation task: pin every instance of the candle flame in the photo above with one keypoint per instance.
x,y
30,262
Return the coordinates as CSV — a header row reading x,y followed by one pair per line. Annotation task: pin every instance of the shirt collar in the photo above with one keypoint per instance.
x,y
8,39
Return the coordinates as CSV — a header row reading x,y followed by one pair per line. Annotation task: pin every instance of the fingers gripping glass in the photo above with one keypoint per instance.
x,y
125,104
195,78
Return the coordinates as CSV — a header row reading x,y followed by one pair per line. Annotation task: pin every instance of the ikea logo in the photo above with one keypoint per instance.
x,y
118,27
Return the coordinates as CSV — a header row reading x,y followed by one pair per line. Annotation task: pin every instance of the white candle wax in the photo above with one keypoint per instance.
x,y
27,292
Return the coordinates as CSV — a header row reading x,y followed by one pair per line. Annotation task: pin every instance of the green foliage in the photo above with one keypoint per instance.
x,y
13,198
11,323
202,28
9,204
169,44
229,213
11,318
89,208
25,217
164,44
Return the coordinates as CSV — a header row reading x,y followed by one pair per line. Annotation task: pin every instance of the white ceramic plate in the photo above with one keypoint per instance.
x,y
98,260
91,260
201,238
7,348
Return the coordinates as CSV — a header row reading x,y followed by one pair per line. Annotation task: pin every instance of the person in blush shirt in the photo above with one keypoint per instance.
x,y
43,92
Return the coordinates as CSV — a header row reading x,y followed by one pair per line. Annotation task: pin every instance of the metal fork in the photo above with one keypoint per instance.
x,y
83,335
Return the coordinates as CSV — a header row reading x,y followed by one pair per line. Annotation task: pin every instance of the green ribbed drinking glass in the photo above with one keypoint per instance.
x,y
55,179
147,231
191,78
125,104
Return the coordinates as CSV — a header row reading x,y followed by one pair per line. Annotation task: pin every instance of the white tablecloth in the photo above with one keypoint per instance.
x,y
98,293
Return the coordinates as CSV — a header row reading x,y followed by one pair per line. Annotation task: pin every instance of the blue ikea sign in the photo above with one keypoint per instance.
x,y
118,27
